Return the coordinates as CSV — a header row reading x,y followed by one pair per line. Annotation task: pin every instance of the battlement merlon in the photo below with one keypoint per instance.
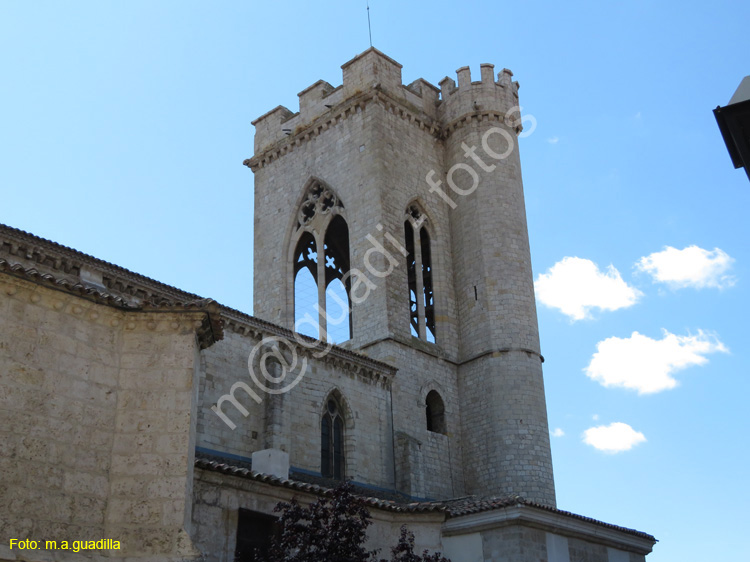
x,y
485,95
373,70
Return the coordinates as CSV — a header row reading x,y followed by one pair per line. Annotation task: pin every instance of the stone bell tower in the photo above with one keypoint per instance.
x,y
409,197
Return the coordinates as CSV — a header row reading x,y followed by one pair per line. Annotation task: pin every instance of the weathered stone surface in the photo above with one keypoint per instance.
x,y
94,447
110,382
380,147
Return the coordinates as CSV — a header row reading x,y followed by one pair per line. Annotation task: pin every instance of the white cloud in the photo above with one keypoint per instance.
x,y
576,285
553,140
558,432
647,365
690,267
595,417
613,438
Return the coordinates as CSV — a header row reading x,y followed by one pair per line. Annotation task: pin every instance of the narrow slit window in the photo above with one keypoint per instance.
x,y
420,278
429,297
332,463
411,269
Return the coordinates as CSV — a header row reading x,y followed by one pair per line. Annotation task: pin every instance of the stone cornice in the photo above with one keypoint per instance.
x,y
554,521
202,314
355,364
359,102
50,281
476,116
62,268
336,115
436,351
67,263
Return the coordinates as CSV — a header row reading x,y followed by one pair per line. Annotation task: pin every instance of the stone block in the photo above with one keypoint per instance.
x,y
271,461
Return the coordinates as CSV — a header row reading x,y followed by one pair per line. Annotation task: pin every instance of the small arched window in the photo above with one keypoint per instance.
x,y
435,413
332,441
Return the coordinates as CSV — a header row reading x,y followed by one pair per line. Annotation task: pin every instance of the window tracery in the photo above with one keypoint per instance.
x,y
322,301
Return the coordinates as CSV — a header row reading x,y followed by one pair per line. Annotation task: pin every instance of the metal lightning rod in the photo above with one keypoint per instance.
x,y
369,27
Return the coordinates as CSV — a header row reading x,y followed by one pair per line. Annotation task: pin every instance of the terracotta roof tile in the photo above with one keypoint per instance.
x,y
316,489
452,508
47,279
210,332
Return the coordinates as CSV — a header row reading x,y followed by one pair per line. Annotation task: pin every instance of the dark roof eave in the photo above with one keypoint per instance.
x,y
451,508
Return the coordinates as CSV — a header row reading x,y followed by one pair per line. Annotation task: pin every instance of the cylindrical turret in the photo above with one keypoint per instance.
x,y
505,436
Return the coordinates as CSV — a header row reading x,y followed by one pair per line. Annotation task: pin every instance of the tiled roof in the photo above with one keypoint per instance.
x,y
388,505
475,504
210,332
36,245
452,508
32,274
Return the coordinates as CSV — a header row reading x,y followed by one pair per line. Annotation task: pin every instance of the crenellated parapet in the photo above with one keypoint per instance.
x,y
373,76
487,97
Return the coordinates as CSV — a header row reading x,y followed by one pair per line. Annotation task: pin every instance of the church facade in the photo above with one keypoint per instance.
x,y
394,343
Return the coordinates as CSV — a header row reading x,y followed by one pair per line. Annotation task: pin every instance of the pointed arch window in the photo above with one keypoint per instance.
x,y
305,286
332,441
322,299
419,275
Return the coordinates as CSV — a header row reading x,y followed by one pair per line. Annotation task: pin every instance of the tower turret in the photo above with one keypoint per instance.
x,y
504,417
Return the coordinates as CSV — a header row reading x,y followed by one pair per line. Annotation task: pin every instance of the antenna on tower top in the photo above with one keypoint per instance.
x,y
369,27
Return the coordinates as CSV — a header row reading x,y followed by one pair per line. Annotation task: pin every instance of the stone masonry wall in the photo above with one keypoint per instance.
x,y
95,410
278,190
441,467
514,542
506,440
291,421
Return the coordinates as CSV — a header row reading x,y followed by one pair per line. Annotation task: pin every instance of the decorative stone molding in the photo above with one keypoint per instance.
x,y
353,364
554,521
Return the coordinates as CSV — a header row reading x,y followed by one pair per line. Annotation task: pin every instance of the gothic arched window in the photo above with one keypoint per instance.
x,y
322,302
332,441
419,275
338,304
305,286
429,296
435,412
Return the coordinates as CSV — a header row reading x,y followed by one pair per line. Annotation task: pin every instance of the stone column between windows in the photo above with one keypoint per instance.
x,y
322,325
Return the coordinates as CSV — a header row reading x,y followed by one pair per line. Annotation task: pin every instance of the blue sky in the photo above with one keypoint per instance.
x,y
124,127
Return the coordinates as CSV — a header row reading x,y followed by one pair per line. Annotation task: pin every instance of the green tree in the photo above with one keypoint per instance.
x,y
333,529
404,550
